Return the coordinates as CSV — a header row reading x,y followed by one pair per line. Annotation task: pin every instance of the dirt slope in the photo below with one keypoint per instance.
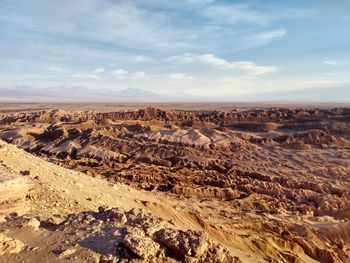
x,y
59,225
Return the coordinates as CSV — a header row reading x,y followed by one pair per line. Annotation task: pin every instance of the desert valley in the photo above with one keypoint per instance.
x,y
193,131
161,185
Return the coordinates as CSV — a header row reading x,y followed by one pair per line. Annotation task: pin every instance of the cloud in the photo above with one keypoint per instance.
x,y
86,76
120,73
122,23
227,79
99,70
142,59
248,66
186,58
179,76
235,14
294,13
266,37
138,75
321,83
200,2
124,74
137,25
272,34
95,74
331,62
210,59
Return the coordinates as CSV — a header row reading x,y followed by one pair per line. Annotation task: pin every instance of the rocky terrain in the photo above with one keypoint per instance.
x,y
269,185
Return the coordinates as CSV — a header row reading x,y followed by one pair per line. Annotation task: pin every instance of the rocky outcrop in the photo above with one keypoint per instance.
x,y
13,190
10,245
143,237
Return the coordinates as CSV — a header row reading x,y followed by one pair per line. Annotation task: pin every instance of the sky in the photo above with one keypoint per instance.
x,y
197,49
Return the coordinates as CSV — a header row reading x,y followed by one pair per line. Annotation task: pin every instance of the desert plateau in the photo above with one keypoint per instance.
x,y
160,185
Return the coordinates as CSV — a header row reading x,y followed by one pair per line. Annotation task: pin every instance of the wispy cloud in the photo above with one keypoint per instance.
x,y
124,74
86,76
235,14
120,73
186,58
331,62
141,58
321,83
95,74
263,38
138,75
136,24
249,67
99,70
180,76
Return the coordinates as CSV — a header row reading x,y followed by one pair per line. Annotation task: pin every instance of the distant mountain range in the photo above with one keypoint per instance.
x,y
79,93
133,93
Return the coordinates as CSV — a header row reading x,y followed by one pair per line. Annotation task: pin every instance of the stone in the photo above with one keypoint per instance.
x,y
25,172
10,245
67,252
33,223
144,247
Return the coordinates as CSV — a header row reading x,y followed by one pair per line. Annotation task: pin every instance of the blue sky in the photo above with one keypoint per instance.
x,y
219,50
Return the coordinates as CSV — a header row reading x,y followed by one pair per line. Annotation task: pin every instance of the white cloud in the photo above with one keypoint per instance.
x,y
186,58
138,75
86,76
320,83
234,14
124,74
331,62
96,74
211,60
141,58
99,70
120,73
268,36
179,76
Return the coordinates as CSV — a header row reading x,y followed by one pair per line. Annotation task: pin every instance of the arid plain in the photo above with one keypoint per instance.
x,y
204,182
